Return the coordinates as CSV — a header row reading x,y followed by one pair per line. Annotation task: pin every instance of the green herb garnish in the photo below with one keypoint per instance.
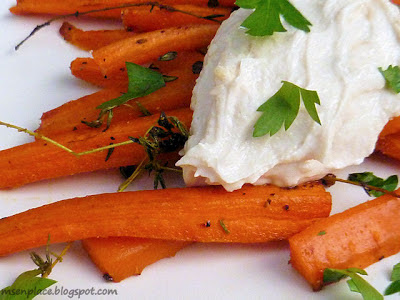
x,y
222,223
394,287
31,283
368,178
266,18
283,108
392,77
356,282
142,82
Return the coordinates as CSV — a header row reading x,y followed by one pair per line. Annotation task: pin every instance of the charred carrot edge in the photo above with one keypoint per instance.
x,y
143,19
242,216
176,94
146,47
357,238
56,7
121,257
92,39
39,160
389,145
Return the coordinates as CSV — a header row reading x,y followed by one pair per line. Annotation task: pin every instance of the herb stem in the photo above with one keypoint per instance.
x,y
40,136
331,177
131,178
104,148
59,258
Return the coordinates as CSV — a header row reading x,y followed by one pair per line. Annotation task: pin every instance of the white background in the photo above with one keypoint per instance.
x,y
35,79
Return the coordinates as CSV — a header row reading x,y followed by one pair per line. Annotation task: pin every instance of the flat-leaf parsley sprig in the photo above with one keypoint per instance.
x,y
283,108
266,18
392,77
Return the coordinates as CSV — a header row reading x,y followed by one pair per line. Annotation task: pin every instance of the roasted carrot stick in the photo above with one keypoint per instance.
x,y
146,47
389,145
207,214
144,19
86,68
40,160
355,238
56,7
121,257
92,39
393,126
176,94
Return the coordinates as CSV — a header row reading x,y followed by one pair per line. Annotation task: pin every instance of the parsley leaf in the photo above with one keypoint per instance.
x,y
394,287
283,108
142,82
368,178
266,18
356,282
27,286
392,77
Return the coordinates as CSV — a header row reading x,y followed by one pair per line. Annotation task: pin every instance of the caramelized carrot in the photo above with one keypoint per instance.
x,y
389,145
393,126
355,238
86,68
242,216
121,257
92,39
176,94
144,19
40,160
56,7
146,47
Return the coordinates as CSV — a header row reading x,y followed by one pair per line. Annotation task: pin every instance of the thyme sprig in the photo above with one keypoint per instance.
x,y
330,180
213,18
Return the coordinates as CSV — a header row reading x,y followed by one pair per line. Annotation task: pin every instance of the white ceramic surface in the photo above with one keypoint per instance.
x,y
35,79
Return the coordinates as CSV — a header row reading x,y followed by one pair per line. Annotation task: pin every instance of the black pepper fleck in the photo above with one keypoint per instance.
x,y
107,277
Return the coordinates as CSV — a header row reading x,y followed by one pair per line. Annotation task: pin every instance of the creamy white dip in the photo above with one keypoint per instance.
x,y
339,58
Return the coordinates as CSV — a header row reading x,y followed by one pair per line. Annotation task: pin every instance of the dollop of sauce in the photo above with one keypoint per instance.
x,y
339,58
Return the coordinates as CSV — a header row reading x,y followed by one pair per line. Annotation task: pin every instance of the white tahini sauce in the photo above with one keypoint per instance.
x,y
339,58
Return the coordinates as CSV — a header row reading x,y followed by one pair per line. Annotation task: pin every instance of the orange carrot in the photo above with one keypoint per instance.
x,y
93,39
393,126
252,214
40,160
56,7
176,94
85,68
144,19
121,257
389,145
355,238
146,47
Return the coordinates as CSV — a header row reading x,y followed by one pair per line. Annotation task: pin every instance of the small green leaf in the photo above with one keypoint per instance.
x,y
142,82
266,18
395,273
393,288
356,282
323,232
368,178
392,77
283,108
27,286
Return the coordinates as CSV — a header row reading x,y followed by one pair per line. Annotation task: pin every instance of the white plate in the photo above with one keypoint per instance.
x,y
35,79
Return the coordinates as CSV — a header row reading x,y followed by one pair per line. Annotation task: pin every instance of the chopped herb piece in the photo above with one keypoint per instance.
x,y
394,287
109,152
197,67
283,108
266,18
368,178
323,232
392,77
143,109
356,282
168,56
127,171
221,222
169,78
